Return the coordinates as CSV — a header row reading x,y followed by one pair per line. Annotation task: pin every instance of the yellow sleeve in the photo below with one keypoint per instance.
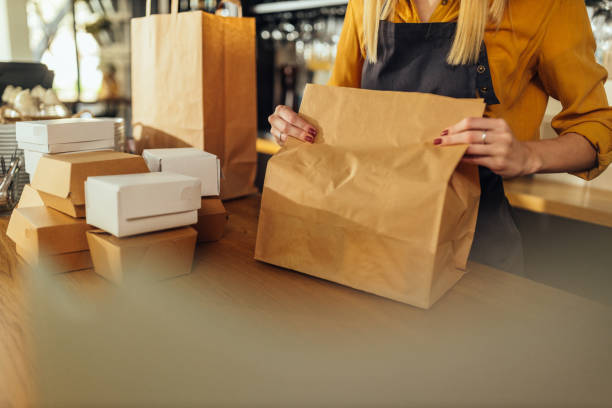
x,y
350,55
570,74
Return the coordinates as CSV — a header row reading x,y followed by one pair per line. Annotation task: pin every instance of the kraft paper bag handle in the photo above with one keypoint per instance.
x,y
173,7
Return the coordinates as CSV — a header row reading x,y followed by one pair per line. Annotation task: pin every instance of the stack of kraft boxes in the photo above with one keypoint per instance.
x,y
144,218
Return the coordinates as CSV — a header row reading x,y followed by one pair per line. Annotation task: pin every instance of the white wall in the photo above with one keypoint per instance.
x,y
14,35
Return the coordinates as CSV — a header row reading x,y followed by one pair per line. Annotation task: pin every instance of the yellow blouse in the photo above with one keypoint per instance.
x,y
542,48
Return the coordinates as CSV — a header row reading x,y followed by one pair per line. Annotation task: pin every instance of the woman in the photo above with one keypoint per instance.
x,y
514,54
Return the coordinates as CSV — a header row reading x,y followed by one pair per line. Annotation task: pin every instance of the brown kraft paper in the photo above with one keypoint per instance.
x,y
373,204
194,84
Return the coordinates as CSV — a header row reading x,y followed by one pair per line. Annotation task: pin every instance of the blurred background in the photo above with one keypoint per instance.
x,y
86,46
63,57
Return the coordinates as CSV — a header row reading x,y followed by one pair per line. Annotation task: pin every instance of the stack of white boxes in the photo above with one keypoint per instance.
x,y
190,162
41,137
143,222
146,221
212,217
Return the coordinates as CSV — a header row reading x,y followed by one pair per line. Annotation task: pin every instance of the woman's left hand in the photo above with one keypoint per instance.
x,y
491,144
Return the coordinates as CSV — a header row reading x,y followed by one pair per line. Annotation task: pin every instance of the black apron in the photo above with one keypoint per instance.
x,y
412,58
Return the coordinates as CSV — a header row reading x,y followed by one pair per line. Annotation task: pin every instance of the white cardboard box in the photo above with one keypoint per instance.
x,y
31,160
59,131
134,204
190,162
69,147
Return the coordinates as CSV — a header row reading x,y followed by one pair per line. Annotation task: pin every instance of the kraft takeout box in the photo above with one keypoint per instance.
x,y
373,204
29,198
188,161
133,204
60,179
152,256
32,158
42,231
212,219
60,263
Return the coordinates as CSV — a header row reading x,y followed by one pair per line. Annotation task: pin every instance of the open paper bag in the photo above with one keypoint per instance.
x,y
194,84
373,204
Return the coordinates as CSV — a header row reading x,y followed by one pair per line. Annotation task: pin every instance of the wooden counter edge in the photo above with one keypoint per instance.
x,y
522,197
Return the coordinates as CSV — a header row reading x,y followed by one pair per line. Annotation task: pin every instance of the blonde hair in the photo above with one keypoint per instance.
x,y
473,18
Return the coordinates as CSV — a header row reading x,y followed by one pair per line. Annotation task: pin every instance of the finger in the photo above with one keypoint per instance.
x,y
481,150
476,123
467,137
484,161
280,138
288,129
290,116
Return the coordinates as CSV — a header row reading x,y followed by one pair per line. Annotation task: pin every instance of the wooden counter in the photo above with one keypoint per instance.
x,y
261,335
564,200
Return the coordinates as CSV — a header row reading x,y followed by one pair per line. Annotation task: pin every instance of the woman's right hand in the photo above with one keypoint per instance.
x,y
286,123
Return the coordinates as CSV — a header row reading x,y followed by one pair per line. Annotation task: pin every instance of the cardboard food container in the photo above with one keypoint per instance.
x,y
31,160
138,203
212,219
60,179
69,147
190,162
42,231
60,263
64,131
30,198
153,256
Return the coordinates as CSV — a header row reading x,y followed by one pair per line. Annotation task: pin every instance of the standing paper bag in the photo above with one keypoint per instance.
x,y
194,84
373,204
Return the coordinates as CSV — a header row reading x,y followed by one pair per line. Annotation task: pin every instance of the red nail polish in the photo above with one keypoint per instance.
x,y
309,139
437,141
444,132
312,131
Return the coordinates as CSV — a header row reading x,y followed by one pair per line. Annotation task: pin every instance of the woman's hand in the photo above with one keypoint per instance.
x,y
285,122
492,144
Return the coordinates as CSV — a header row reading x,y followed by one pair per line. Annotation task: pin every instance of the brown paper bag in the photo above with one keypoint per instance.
x,y
194,84
373,204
